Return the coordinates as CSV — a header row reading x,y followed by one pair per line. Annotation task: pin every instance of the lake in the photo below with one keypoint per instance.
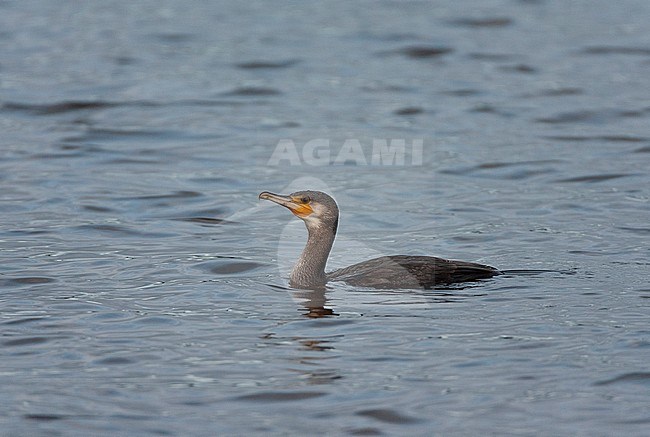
x,y
144,287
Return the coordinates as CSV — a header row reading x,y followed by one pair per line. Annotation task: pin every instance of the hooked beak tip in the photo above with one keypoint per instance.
x,y
275,198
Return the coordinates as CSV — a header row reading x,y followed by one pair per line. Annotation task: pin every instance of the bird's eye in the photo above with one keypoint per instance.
x,y
305,199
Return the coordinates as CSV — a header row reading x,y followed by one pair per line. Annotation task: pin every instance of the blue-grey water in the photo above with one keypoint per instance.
x,y
143,286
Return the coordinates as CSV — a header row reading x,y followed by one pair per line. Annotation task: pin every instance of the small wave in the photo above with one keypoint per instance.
x,y
58,108
27,280
643,377
592,116
616,50
420,52
230,268
205,220
556,92
611,138
276,396
409,110
483,22
596,178
387,416
253,92
267,65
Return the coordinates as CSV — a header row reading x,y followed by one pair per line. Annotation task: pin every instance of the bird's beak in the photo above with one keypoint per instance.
x,y
294,205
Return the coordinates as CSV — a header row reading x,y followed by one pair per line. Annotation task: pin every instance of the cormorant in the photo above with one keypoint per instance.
x,y
321,216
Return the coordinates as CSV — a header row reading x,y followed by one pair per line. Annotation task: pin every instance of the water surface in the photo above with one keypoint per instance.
x,y
143,285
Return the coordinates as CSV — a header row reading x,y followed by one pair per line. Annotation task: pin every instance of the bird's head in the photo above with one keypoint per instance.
x,y
315,208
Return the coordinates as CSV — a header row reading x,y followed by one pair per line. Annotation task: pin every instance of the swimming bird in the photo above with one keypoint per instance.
x,y
321,216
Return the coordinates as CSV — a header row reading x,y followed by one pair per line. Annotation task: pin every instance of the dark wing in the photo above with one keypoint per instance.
x,y
403,271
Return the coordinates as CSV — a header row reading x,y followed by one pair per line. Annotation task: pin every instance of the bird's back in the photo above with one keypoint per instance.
x,y
404,271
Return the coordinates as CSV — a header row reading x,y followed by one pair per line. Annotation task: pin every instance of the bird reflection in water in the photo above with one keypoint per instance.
x,y
314,302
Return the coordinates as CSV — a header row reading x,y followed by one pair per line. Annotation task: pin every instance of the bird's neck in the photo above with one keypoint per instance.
x,y
309,271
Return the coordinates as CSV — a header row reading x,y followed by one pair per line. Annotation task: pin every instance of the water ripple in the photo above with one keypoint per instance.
x,y
266,65
596,178
252,92
617,50
642,377
27,280
483,22
613,138
592,116
387,416
280,396
420,52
